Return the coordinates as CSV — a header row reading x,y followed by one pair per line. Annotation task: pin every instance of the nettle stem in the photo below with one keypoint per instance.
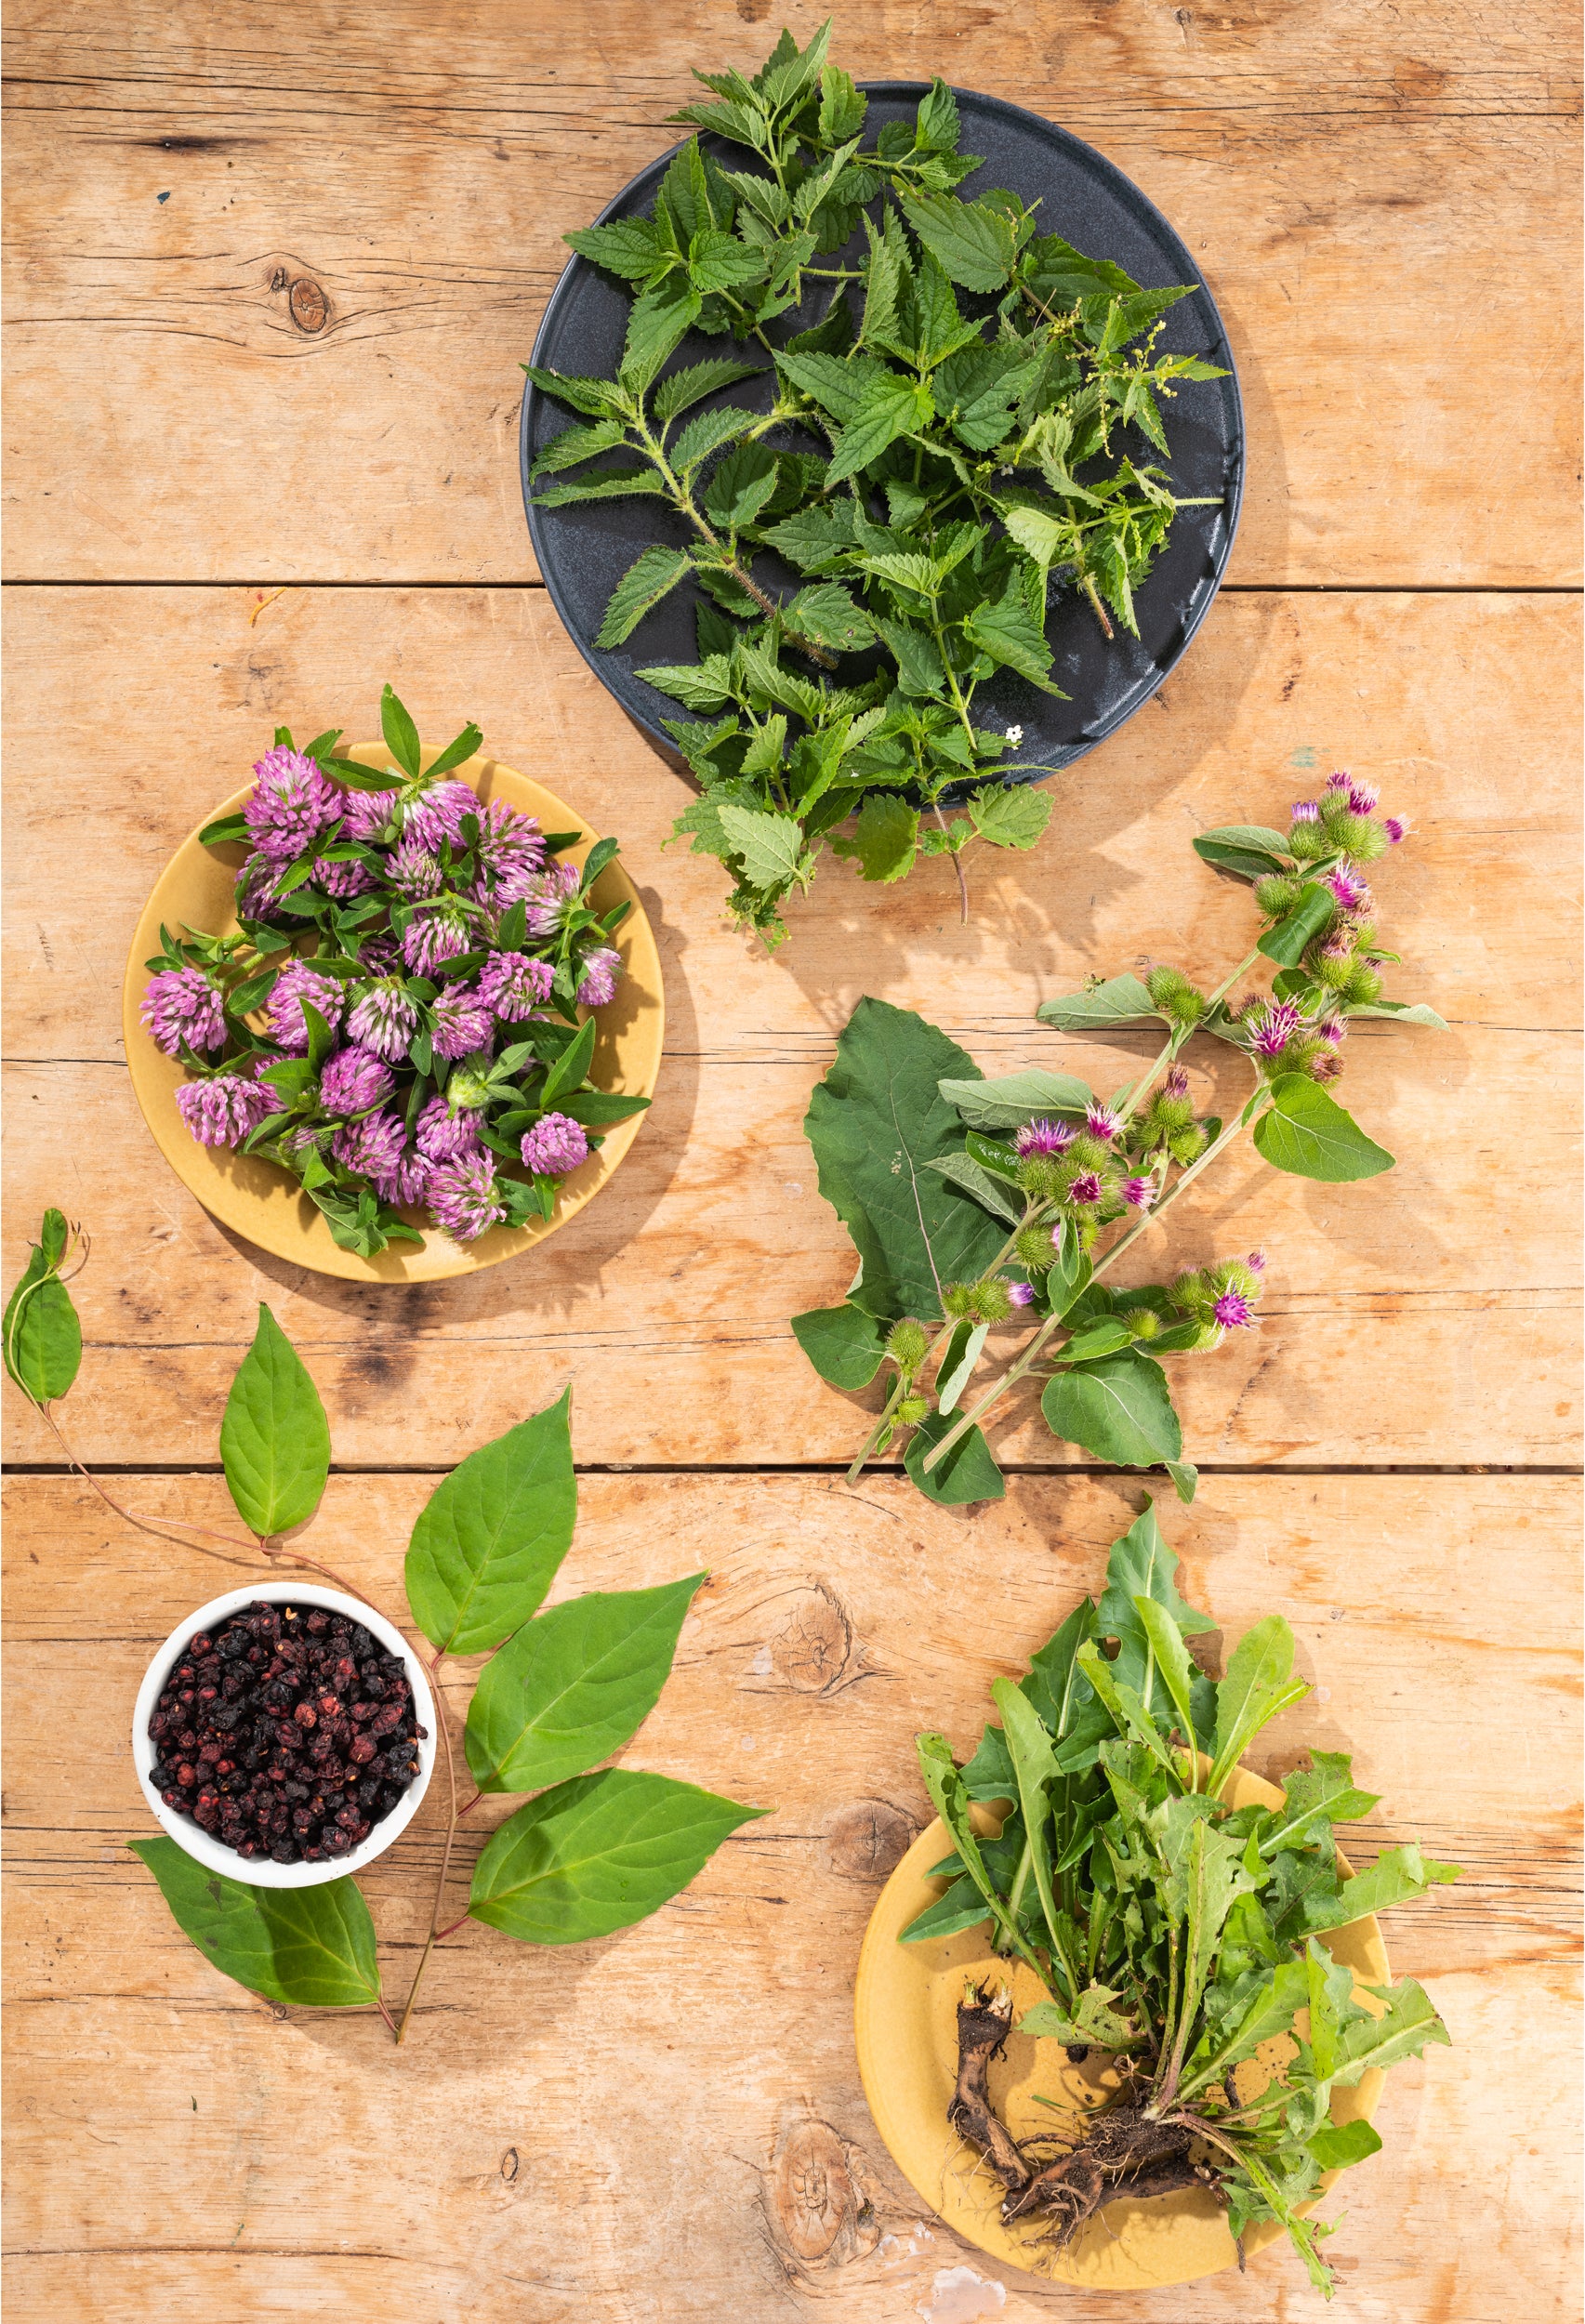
x,y
956,856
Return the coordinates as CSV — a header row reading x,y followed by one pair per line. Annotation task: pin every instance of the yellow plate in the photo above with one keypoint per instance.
x,y
257,1199
905,2025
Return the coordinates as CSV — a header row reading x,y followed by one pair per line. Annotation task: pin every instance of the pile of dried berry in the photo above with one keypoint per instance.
x,y
287,1733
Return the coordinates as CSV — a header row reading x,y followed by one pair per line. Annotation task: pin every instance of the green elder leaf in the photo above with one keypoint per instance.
x,y
843,1344
572,1685
1117,1408
43,1337
1120,1000
596,1853
970,241
770,847
274,1438
1292,938
653,574
885,836
1310,1135
875,1122
488,1542
313,1948
1014,1098
1250,849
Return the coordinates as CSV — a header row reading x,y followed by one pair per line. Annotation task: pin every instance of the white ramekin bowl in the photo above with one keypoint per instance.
x,y
261,1873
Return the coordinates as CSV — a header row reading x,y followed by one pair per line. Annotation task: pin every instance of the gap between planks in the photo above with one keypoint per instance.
x,y
1228,588
828,1469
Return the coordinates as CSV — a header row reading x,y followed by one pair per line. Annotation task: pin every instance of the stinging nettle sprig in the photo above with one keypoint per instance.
x,y
976,1206
595,1849
1189,1942
964,466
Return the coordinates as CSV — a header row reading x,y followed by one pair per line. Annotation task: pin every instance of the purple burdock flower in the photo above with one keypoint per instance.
x,y
1043,1137
511,982
412,871
436,814
547,896
463,1199
1021,1294
596,984
555,1145
256,891
1176,1084
434,936
354,1080
464,1021
1362,799
1233,1311
181,1005
1340,779
1139,1192
290,804
223,1109
384,1020
1102,1122
443,1136
1272,1028
1305,811
372,1146
1396,827
407,1182
1257,1262
350,878
366,813
511,854
298,982
1086,1187
1347,886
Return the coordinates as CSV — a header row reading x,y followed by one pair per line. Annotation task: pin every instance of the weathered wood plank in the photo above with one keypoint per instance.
x,y
1411,1320
668,2125
311,250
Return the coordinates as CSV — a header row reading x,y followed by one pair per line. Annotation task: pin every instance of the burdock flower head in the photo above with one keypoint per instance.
x,y
437,815
511,854
443,1136
182,1005
1271,1028
372,1145
1347,886
1102,1122
1043,1137
435,935
463,1197
601,974
1139,1192
296,983
290,804
554,1145
224,1109
512,984
1233,1311
384,1020
464,1021
354,1080
1084,1188
1396,827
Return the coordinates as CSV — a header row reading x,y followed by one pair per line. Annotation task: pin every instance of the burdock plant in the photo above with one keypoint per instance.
x,y
1175,1934
980,1206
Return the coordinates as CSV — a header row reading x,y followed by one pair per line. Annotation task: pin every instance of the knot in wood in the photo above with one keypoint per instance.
x,y
816,2207
809,1652
310,309
867,1839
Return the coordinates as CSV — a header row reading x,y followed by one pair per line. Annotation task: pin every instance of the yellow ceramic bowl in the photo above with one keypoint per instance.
x,y
260,1201
905,2024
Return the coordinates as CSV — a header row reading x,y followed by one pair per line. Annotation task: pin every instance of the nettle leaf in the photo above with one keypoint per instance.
x,y
1117,1408
572,1685
1253,850
1309,1134
1120,1000
43,1336
1004,631
597,398
919,667
487,1545
310,1947
579,443
274,1438
609,483
1008,817
844,1344
889,407
1014,1098
629,246
885,835
829,614
650,578
973,243
598,1853
875,1122
657,322
684,389
770,847
741,486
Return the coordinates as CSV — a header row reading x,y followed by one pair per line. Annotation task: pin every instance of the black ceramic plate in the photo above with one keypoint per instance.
x,y
583,549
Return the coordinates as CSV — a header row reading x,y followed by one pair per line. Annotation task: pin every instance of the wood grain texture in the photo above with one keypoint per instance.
x,y
1411,1320
309,248
669,2124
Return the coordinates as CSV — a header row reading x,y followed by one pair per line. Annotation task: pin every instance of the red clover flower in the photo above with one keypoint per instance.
x,y
182,1005
554,1145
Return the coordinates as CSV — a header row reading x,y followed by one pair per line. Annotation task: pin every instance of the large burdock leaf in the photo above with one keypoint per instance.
x,y
313,1947
274,1439
596,1853
1118,1409
572,1685
875,1122
487,1545
1310,1135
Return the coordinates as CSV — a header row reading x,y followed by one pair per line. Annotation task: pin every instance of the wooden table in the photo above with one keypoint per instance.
x,y
272,268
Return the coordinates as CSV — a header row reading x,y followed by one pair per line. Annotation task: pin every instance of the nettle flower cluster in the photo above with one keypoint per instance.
x,y
397,1020
1018,1185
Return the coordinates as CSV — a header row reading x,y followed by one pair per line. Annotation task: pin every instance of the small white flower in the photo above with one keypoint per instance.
x,y
1015,735
1005,471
